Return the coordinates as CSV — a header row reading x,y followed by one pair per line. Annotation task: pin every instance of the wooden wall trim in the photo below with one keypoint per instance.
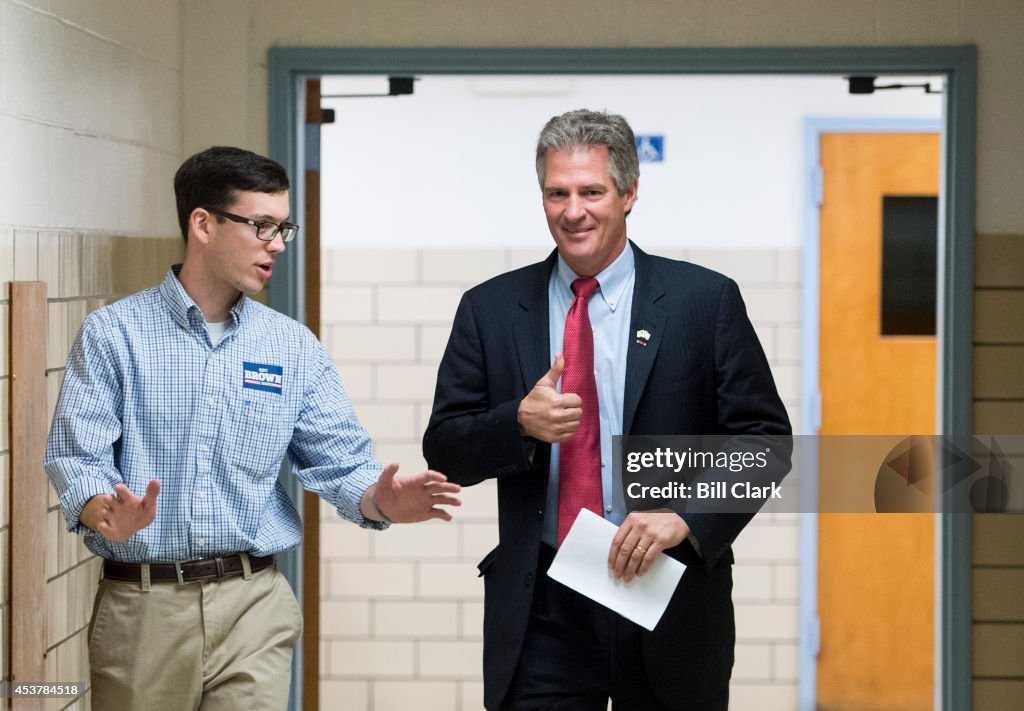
x,y
28,428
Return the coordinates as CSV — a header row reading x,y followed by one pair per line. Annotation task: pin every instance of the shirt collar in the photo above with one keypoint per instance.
x,y
181,304
613,280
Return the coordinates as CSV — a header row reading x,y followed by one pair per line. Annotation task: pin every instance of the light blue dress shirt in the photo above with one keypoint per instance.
x,y
148,395
609,311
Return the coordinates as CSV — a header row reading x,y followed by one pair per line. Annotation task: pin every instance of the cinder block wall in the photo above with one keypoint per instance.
x,y
998,558
90,134
402,614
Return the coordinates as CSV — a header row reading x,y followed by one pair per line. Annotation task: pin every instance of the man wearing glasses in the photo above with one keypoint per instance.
x,y
178,406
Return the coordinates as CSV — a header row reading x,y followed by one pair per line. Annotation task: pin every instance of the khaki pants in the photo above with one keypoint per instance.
x,y
201,646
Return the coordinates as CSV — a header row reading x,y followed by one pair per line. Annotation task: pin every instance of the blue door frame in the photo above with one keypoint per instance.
x,y
289,67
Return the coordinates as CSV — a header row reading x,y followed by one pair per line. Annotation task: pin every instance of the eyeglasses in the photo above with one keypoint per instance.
x,y
265,231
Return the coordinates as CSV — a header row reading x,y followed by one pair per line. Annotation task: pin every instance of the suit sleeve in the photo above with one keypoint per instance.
x,y
749,409
470,436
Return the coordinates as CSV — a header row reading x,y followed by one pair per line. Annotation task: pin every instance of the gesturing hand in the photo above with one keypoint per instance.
x,y
415,498
546,414
120,515
639,540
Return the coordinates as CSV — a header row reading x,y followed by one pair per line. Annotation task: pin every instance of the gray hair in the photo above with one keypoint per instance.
x,y
584,129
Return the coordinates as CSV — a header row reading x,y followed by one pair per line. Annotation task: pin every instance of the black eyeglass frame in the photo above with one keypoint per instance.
x,y
287,230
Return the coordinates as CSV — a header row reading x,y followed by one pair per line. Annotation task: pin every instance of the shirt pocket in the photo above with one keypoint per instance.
x,y
257,434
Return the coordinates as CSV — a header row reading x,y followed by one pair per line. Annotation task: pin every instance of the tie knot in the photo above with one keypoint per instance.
x,y
585,288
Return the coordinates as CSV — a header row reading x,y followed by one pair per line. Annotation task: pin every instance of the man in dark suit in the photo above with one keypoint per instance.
x,y
673,352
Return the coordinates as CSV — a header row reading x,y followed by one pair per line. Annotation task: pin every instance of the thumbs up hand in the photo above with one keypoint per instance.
x,y
547,415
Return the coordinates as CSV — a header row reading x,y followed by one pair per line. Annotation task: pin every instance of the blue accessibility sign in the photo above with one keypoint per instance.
x,y
650,149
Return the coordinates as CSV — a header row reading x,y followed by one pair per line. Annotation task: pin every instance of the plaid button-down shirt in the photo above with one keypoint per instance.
x,y
147,395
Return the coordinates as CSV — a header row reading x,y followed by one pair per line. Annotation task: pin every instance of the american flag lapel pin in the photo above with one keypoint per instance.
x,y
642,336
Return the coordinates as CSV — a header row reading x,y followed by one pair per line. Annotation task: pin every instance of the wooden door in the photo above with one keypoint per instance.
x,y
875,571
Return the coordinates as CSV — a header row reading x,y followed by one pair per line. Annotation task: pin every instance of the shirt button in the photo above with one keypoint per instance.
x,y
608,508
604,462
201,542
209,401
204,448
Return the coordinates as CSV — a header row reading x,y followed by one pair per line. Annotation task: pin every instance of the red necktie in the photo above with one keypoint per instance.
x,y
579,460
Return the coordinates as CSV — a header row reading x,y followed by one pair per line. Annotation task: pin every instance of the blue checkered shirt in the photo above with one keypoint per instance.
x,y
147,395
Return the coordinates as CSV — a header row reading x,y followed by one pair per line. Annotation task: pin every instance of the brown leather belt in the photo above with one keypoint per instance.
x,y
205,570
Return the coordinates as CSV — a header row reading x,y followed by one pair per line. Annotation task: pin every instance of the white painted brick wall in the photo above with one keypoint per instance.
x,y
372,266
369,344
419,695
753,662
406,383
348,618
450,659
763,697
342,539
423,542
347,304
433,341
387,421
462,266
417,304
450,580
367,581
415,619
366,658
472,696
337,694
419,584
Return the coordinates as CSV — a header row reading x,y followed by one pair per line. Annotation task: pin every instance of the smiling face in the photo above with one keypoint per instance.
x,y
585,213
236,258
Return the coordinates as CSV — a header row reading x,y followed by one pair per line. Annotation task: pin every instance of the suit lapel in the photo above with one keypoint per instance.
x,y
646,329
530,324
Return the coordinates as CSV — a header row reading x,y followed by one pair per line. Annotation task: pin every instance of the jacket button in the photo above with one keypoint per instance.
x,y
540,514
529,580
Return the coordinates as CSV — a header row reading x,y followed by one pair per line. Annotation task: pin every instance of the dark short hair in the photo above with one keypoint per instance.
x,y
211,178
583,128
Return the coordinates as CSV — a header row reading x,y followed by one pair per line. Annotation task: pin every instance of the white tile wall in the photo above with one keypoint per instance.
x,y
386,317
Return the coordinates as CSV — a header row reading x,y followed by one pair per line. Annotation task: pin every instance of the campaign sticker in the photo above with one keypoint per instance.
x,y
260,376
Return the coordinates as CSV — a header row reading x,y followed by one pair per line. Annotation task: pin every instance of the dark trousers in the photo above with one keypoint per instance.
x,y
577,654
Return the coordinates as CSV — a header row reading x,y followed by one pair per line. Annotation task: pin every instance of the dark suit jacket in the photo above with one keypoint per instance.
x,y
702,371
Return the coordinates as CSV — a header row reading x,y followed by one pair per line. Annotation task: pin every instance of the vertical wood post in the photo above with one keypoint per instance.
x,y
29,425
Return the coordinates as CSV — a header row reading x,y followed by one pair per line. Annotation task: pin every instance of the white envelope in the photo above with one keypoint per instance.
x,y
582,564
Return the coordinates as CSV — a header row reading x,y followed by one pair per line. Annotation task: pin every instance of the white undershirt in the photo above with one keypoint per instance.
x,y
216,330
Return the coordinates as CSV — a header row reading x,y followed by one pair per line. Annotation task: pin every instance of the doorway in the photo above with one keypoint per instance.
x,y
289,67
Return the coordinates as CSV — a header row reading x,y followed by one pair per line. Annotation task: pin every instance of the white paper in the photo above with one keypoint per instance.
x,y
582,564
